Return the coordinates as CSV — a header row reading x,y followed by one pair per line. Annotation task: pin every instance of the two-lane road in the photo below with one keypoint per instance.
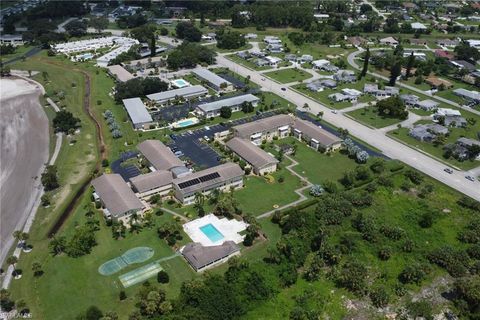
x,y
376,138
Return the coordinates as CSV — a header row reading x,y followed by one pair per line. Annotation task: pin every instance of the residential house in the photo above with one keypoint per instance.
x,y
305,58
437,82
417,26
410,100
119,73
427,132
117,199
260,161
223,177
11,39
215,81
316,137
447,42
390,41
272,40
444,54
357,41
159,156
212,109
462,64
137,112
418,42
460,149
275,48
324,65
427,105
468,95
387,91
291,57
346,76
244,55
265,129
202,257
273,61
188,93
251,36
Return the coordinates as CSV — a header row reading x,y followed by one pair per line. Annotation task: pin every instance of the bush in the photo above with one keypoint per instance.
x,y
413,273
385,253
105,163
122,295
162,277
379,297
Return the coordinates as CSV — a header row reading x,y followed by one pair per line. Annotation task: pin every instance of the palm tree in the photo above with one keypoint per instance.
x,y
37,269
199,198
17,234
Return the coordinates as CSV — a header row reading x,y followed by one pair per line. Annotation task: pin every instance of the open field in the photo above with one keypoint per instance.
x,y
370,117
288,75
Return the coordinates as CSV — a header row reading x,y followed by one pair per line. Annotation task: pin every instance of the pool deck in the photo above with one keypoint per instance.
x,y
230,229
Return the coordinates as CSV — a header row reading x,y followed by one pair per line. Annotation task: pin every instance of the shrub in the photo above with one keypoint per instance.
x,y
162,277
122,295
384,253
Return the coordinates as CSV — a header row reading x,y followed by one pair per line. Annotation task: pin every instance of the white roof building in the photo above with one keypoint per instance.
x,y
137,112
445,112
418,26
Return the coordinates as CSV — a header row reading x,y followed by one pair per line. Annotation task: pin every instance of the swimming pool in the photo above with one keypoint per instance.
x,y
180,83
211,232
185,123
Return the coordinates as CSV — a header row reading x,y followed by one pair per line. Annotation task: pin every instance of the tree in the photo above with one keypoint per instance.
x,y
12,260
162,277
420,309
57,245
353,275
395,72
65,122
76,28
98,23
153,46
366,60
225,112
122,295
188,55
392,107
93,313
230,40
379,297
465,52
45,200
49,178
410,63
37,269
187,31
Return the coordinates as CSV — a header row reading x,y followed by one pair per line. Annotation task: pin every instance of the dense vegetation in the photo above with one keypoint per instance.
x,y
188,55
139,87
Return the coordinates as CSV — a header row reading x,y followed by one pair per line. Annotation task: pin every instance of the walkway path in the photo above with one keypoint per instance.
x,y
299,191
175,214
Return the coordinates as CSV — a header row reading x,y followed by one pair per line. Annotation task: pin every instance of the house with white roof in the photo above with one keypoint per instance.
x,y
417,26
390,41
138,113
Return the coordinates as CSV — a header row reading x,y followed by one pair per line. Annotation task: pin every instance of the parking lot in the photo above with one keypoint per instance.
x,y
126,171
193,146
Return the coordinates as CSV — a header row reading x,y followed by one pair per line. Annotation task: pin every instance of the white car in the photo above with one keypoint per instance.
x,y
334,111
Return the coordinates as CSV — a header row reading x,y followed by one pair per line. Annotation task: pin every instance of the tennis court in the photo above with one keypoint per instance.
x,y
135,255
140,274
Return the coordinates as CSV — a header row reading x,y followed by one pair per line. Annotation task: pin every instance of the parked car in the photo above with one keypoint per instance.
x,y
283,89
173,136
448,170
178,153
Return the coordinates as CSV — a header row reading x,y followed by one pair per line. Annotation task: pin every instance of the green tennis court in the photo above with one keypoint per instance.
x,y
135,255
140,274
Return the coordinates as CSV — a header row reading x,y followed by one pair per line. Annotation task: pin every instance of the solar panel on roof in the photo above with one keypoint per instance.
x,y
189,183
209,177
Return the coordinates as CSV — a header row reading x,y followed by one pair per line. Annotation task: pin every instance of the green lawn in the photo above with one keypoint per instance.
x,y
20,51
247,63
65,277
322,96
319,167
370,117
259,195
455,133
288,75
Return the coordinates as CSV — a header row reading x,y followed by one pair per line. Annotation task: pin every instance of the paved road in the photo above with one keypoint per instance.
x,y
27,54
388,146
61,26
351,60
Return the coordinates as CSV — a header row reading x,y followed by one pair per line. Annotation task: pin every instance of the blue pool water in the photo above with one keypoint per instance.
x,y
211,232
185,123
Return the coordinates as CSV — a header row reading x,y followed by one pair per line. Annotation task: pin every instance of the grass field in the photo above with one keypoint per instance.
x,y
370,117
247,63
319,167
288,75
437,151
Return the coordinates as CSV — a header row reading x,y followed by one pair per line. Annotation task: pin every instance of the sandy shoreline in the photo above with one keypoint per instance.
x,y
24,149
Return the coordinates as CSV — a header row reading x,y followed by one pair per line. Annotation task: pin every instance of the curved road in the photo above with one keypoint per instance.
x,y
376,138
